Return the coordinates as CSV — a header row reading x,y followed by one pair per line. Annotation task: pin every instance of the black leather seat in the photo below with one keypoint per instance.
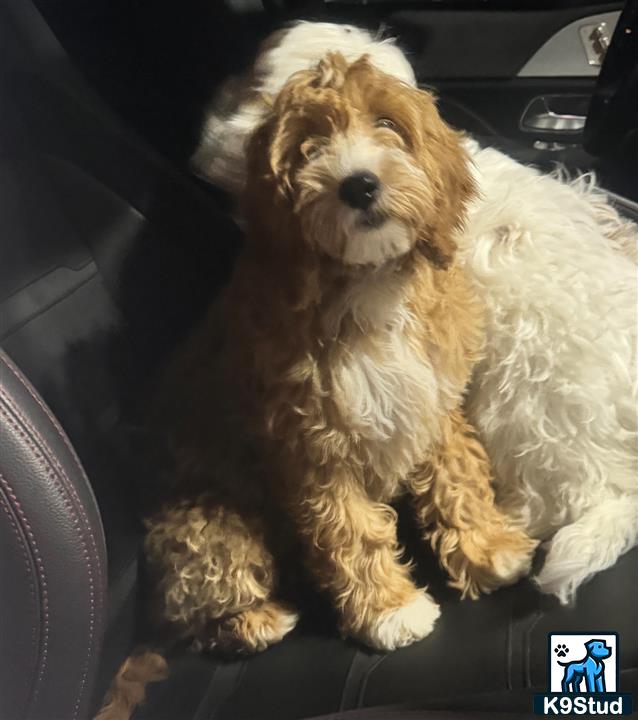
x,y
107,258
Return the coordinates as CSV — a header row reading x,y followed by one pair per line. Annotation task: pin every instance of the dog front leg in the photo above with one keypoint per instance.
x,y
454,500
353,554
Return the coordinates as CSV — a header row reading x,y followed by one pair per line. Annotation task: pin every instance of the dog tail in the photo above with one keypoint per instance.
x,y
591,544
128,688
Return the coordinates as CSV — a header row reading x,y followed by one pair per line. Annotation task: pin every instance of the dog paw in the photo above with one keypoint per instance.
x,y
509,566
561,650
253,630
285,620
403,625
275,621
482,563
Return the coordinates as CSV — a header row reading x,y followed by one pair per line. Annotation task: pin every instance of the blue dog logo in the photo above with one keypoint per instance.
x,y
591,669
586,687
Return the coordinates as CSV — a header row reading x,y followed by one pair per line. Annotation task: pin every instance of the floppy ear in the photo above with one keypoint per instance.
x,y
267,200
274,150
446,164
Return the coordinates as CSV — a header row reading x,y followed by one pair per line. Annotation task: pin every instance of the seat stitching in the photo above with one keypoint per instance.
x,y
50,464
29,574
49,468
43,654
53,459
63,436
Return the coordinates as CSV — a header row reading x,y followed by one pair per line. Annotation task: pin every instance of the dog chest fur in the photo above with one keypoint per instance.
x,y
383,385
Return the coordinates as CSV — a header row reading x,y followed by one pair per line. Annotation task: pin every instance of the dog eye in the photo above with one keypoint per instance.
x,y
387,124
310,149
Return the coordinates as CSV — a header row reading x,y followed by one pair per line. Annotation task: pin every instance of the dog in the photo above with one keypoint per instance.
x,y
350,332
591,669
351,335
554,398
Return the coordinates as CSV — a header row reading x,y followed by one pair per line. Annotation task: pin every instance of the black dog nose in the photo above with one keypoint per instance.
x,y
359,190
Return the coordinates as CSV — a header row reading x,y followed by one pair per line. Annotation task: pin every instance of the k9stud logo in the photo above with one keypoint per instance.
x,y
583,672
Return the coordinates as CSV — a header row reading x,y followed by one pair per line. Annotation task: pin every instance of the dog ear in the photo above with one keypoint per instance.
x,y
298,111
440,152
447,166
449,170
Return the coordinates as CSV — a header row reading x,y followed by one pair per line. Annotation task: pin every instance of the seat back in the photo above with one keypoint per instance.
x,y
52,565
107,257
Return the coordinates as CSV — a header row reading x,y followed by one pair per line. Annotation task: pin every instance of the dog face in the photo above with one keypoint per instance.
x,y
364,164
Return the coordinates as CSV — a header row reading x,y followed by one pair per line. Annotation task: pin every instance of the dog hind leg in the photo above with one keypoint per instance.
x,y
591,544
215,576
251,630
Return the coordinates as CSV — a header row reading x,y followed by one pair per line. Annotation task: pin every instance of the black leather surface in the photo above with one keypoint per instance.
x,y
393,713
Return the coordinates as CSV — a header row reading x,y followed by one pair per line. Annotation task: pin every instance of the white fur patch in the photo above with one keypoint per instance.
x,y
404,625
307,42
556,398
590,544
375,247
356,152
384,387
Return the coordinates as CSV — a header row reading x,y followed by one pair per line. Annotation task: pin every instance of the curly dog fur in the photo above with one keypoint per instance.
x,y
349,341
555,398
563,439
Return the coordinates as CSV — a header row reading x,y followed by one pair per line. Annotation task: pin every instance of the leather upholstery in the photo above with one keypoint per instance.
x,y
107,256
53,561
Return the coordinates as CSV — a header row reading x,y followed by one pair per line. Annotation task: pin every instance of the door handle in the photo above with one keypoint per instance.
x,y
555,114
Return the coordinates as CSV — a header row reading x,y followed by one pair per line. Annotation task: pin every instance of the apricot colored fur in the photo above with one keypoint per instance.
x,y
342,360
129,685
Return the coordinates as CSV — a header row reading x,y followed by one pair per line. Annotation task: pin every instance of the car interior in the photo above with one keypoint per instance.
x,y
110,252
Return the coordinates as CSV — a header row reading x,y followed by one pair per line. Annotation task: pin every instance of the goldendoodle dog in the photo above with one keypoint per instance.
x,y
341,349
350,336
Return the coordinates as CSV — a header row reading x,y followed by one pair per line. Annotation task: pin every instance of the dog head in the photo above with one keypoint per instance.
x,y
597,649
362,164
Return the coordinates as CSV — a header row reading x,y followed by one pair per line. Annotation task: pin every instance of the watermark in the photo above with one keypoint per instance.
x,y
584,673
